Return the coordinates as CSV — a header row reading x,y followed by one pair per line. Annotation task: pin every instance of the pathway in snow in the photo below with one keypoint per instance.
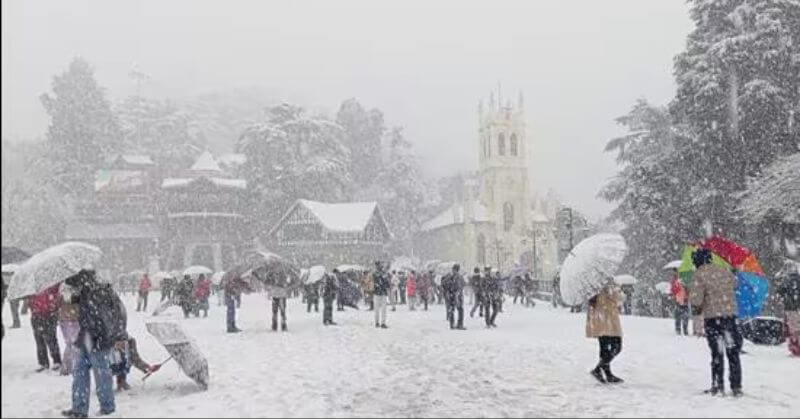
x,y
535,363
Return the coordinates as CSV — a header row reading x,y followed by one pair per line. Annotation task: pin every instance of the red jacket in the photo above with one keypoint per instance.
x,y
145,284
202,289
46,302
678,291
411,286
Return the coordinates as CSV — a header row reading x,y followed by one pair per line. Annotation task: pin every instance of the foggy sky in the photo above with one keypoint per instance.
x,y
426,64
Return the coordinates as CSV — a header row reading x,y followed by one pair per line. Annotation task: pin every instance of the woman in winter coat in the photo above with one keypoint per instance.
x,y
424,288
411,290
603,323
368,286
789,292
202,290
68,321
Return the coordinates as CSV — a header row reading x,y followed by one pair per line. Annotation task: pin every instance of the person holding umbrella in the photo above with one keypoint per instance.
x,y
713,295
232,288
603,323
329,294
382,287
96,337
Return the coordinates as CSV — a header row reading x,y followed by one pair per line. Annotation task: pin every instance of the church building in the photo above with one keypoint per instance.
x,y
494,222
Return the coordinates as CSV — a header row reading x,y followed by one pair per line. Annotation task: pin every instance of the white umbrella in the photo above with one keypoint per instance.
x,y
590,265
216,279
161,275
625,279
51,266
663,287
350,268
10,268
675,264
404,263
197,270
313,274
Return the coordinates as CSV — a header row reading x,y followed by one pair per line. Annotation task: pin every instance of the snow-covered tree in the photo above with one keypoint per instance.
x,y
291,156
83,130
363,132
159,129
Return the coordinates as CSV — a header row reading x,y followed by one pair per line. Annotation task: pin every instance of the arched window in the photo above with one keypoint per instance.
x,y
508,216
513,144
501,144
481,250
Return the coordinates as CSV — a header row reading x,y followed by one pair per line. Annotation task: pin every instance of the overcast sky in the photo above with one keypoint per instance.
x,y
426,64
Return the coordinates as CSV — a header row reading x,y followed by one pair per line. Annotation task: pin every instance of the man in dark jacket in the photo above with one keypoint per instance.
x,y
423,287
453,287
493,296
185,294
311,292
330,289
475,281
100,329
381,295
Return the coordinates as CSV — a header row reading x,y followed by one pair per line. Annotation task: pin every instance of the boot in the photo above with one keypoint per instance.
x,y
384,326
283,327
596,373
737,392
611,378
72,414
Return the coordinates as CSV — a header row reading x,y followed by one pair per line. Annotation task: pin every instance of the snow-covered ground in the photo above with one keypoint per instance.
x,y
535,363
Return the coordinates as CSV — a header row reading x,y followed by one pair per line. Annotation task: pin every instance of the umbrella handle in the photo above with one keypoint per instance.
x,y
159,365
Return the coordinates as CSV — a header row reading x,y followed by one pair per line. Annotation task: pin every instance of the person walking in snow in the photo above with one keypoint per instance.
x,y
144,290
476,283
44,323
493,296
713,294
330,290
99,332
681,297
401,288
519,289
68,321
603,323
185,295
202,291
424,287
232,287
311,293
411,290
167,284
530,287
368,286
453,286
382,288
394,283
278,292
789,292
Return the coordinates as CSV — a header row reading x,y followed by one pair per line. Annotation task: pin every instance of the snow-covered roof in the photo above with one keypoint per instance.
x,y
206,163
88,231
342,217
455,215
232,158
218,181
137,159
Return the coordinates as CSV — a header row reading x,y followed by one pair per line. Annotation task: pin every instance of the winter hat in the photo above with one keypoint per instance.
x,y
701,257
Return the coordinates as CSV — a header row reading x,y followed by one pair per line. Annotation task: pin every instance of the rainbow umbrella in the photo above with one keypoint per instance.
x,y
752,288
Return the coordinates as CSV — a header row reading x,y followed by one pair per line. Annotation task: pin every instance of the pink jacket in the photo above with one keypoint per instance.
x,y
411,286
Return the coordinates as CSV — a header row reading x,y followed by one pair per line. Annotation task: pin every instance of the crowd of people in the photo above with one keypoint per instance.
x,y
93,319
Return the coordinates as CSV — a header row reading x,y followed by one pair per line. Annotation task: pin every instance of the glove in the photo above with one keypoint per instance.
x,y
154,368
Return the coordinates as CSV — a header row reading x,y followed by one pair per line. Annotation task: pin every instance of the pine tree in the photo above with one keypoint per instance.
x,y
83,130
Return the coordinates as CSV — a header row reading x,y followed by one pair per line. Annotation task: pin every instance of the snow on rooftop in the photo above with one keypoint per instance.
x,y
222,182
343,217
137,159
455,215
206,163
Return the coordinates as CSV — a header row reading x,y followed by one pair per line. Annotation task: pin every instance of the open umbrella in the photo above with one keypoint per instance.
x,y
663,287
313,274
268,266
10,268
51,266
590,265
351,268
752,288
675,264
182,349
404,263
197,270
625,279
161,275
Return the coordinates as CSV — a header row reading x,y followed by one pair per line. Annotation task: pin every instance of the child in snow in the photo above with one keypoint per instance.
x,y
123,356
